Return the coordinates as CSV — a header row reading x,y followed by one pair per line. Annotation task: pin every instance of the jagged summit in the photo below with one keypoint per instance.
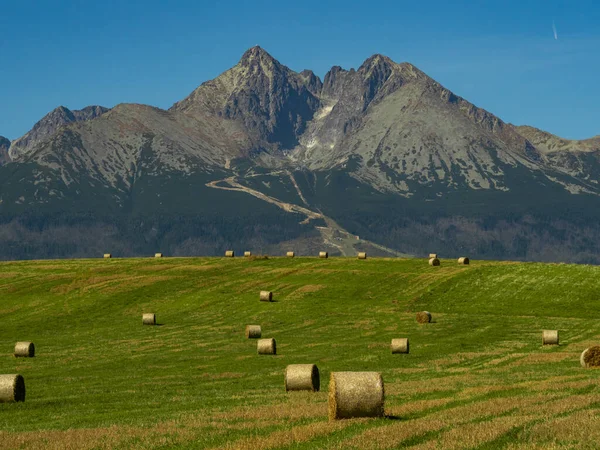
x,y
49,124
398,123
257,54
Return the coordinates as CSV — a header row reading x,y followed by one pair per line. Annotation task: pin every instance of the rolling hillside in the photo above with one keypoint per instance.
x,y
476,377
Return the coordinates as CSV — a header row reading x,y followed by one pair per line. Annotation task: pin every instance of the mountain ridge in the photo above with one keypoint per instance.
x,y
49,124
383,151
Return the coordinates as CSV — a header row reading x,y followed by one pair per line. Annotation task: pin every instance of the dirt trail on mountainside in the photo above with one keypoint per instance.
x,y
333,234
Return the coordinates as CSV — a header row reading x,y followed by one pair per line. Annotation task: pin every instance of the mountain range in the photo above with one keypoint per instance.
x,y
382,158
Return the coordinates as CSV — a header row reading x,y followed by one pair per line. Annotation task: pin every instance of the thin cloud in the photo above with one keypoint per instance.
x,y
555,32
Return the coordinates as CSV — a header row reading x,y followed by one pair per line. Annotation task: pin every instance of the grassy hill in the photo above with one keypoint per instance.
x,y
477,377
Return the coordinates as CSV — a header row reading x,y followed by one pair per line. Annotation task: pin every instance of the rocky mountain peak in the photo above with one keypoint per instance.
x,y
50,123
257,55
377,61
313,82
270,101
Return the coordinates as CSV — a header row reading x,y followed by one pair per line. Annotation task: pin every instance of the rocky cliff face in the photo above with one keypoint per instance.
x,y
272,102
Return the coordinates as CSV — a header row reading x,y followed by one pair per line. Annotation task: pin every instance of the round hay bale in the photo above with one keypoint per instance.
x,y
149,319
107,255
400,345
434,262
266,296
266,347
24,350
323,255
463,260
290,254
229,254
247,254
356,394
432,255
362,255
302,377
12,388
253,331
550,337
590,357
424,317
158,255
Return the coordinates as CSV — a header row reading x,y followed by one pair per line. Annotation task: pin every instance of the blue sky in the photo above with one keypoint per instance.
x,y
502,56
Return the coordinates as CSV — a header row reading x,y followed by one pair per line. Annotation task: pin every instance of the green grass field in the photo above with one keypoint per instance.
x,y
476,377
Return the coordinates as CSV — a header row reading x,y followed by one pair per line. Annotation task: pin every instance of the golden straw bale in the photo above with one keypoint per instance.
x,y
229,253
266,296
12,388
247,253
463,260
432,255
107,256
290,254
24,350
266,347
158,255
149,319
550,337
302,377
253,331
356,394
434,262
424,317
362,255
323,255
590,357
400,345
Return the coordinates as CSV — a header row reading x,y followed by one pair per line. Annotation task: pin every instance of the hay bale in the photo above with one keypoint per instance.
x,y
149,319
463,260
323,255
266,296
266,347
229,254
158,255
107,255
246,254
434,262
590,357
290,254
24,350
12,388
253,331
424,317
550,337
432,255
362,255
356,394
302,377
400,345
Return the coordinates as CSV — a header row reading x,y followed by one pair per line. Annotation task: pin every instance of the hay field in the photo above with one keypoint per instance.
x,y
476,377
